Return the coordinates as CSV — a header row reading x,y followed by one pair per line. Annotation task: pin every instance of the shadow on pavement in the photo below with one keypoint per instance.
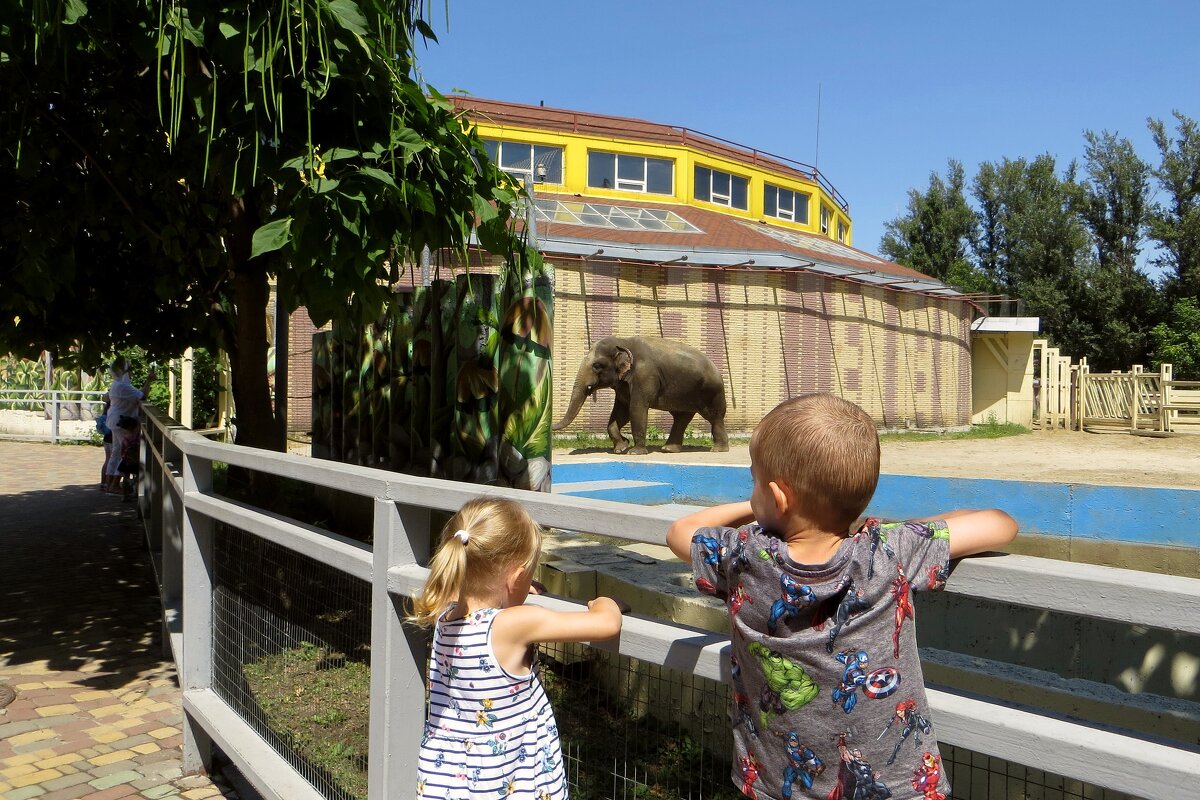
x,y
79,588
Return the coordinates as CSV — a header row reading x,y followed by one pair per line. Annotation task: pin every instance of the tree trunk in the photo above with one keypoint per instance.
x,y
248,360
256,426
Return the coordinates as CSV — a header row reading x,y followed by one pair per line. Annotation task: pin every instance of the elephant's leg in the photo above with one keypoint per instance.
x,y
678,427
617,420
720,437
637,425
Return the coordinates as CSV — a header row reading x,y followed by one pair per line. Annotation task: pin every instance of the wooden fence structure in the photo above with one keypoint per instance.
x,y
1072,397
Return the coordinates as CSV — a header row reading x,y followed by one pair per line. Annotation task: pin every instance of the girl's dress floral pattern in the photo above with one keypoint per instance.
x,y
488,733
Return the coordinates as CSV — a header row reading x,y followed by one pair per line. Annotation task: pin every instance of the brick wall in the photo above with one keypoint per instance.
x,y
300,364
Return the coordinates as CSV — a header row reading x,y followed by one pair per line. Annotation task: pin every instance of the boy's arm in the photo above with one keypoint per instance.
x,y
976,531
731,515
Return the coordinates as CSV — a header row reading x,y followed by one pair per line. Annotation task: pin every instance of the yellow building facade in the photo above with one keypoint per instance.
x,y
656,230
816,206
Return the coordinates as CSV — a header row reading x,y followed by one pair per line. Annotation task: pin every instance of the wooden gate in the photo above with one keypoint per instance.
x,y
1054,401
1072,397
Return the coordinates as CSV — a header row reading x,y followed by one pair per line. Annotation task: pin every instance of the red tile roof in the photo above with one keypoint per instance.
x,y
722,232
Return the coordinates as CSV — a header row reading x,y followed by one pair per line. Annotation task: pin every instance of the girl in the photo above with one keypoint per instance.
x,y
490,731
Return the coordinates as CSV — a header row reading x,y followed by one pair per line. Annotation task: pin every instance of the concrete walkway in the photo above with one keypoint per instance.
x,y
97,708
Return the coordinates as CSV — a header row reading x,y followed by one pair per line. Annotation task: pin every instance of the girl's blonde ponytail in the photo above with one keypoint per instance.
x,y
498,534
447,570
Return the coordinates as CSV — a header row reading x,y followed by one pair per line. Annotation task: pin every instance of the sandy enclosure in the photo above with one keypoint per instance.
x,y
1047,456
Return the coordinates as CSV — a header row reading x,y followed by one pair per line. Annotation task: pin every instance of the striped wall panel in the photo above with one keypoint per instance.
x,y
904,358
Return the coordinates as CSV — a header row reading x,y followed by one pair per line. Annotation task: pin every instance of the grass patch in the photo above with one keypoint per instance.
x,y
988,430
319,703
655,437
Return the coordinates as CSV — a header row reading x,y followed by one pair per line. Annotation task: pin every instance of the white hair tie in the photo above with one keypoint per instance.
x,y
462,536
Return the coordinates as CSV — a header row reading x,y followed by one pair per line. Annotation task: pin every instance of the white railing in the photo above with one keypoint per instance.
x,y
53,414
181,509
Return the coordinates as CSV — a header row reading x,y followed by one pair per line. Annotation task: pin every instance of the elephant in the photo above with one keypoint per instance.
x,y
648,372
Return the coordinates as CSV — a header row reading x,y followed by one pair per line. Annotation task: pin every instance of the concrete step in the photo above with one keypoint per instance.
x,y
645,493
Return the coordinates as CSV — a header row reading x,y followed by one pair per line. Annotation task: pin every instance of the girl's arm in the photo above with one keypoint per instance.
x,y
976,531
520,626
731,515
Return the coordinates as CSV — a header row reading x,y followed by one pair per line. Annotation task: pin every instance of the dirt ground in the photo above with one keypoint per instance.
x,y
1049,456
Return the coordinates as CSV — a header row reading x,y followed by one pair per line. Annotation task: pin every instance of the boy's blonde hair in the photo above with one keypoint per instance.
x,y
825,450
500,535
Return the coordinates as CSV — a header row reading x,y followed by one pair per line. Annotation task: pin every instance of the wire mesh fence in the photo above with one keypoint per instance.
x,y
291,647
632,729
291,643
978,776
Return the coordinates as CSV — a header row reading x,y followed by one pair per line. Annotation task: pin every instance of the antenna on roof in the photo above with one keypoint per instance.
x,y
817,157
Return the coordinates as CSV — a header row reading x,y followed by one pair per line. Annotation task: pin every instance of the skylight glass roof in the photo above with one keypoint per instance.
x,y
819,244
597,215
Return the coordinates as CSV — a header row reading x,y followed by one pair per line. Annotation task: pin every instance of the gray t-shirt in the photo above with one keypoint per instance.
x,y
828,697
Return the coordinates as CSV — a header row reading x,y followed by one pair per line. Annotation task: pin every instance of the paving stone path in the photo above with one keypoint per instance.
x,y
97,709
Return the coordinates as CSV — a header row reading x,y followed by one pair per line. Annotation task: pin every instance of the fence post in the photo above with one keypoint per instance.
x,y
1135,402
398,654
152,477
1084,371
169,548
1043,382
197,569
186,389
54,413
1166,374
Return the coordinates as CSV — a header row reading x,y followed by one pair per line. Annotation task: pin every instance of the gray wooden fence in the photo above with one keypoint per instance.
x,y
182,513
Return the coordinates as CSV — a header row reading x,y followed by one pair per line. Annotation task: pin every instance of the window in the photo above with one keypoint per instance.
x,y
542,163
721,188
842,231
826,214
785,204
631,173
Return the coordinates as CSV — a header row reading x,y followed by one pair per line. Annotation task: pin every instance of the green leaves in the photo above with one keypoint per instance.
x,y
272,236
73,11
207,143
349,16
376,174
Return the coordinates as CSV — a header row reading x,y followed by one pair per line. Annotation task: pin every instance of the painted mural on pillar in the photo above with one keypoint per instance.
x,y
453,381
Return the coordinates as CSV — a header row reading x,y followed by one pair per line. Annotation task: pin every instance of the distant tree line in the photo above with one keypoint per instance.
x,y
1068,244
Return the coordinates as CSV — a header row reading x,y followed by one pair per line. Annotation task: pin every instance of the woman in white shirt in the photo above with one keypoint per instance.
x,y
125,403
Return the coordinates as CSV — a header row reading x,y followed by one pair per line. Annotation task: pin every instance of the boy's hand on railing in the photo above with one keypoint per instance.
x,y
620,605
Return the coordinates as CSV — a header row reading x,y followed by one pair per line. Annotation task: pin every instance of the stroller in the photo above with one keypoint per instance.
x,y
130,468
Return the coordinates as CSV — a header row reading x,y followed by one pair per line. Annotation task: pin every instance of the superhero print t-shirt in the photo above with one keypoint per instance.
x,y
828,699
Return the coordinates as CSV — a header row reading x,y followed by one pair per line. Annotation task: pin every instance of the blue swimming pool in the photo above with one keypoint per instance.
x,y
1116,513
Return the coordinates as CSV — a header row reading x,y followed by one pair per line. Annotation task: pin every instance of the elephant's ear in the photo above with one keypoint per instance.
x,y
623,362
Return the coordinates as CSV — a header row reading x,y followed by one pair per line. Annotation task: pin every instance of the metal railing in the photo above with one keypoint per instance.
x,y
185,516
49,414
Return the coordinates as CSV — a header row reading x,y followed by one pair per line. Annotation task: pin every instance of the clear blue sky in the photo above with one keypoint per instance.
x,y
904,86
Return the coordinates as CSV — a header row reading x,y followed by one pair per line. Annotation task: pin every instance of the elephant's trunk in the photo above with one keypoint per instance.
x,y
579,393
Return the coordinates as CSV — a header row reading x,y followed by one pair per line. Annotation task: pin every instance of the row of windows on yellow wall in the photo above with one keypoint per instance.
x,y
575,155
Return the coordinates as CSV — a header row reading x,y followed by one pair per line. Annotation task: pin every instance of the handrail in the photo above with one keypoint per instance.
x,y
55,399
402,506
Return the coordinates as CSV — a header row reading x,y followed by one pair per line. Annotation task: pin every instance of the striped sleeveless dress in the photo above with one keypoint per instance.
x,y
488,734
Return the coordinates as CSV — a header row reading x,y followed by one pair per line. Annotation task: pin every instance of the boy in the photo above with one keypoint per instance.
x,y
828,698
